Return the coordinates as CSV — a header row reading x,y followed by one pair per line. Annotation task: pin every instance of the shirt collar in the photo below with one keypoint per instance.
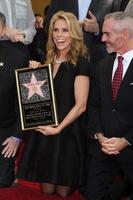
x,y
127,56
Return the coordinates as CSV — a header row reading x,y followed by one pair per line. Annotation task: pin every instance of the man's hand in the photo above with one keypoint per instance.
x,y
101,138
19,37
114,145
15,35
11,145
90,25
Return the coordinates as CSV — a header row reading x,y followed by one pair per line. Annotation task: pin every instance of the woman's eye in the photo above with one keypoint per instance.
x,y
65,30
55,29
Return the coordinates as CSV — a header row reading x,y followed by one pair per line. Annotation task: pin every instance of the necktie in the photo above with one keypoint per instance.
x,y
117,77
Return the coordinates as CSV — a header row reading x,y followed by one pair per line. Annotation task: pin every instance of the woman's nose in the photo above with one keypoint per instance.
x,y
59,33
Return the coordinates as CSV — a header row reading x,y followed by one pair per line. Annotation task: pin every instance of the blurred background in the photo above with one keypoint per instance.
x,y
39,5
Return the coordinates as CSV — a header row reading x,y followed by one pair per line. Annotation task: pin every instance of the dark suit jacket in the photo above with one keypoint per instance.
x,y
10,59
37,46
124,4
114,119
99,8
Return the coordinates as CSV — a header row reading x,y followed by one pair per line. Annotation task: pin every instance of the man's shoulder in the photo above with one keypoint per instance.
x,y
13,54
109,58
104,64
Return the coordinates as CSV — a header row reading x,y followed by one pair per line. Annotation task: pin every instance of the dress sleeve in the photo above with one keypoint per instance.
x,y
83,66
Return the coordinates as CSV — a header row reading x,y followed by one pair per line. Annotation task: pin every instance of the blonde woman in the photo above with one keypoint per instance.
x,y
56,156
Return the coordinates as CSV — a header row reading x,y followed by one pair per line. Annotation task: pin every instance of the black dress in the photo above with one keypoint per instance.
x,y
59,159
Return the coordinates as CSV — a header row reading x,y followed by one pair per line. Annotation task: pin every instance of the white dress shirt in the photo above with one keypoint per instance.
x,y
83,6
128,56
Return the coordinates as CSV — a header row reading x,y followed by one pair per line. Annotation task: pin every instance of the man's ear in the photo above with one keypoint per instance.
x,y
126,33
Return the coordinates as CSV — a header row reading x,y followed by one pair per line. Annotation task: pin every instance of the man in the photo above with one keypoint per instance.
x,y
20,20
39,21
90,14
111,136
10,132
20,23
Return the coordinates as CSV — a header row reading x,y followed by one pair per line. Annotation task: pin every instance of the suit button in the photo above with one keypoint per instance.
x,y
114,110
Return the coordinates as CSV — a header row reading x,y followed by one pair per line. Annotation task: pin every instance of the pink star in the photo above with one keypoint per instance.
x,y
34,86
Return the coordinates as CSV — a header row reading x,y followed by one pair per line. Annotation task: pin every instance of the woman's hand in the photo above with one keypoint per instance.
x,y
48,130
34,64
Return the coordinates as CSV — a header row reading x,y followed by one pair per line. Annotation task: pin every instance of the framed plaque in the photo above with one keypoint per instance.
x,y
36,97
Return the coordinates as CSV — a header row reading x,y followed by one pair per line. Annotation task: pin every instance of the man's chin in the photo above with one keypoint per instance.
x,y
110,50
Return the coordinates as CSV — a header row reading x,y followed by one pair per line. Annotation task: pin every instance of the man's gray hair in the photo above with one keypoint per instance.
x,y
2,19
123,20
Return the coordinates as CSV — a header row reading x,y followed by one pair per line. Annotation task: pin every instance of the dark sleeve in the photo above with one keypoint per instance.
x,y
22,60
53,8
83,66
129,136
123,4
38,46
116,5
17,124
94,122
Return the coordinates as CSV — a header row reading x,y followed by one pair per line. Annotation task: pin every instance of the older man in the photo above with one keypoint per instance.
x,y
10,132
111,137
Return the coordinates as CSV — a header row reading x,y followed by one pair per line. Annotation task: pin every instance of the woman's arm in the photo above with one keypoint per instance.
x,y
81,90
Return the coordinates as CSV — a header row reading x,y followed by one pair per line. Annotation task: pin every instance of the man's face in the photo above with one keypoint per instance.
x,y
112,37
39,22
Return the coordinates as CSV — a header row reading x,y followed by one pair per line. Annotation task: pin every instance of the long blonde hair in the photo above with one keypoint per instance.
x,y
77,47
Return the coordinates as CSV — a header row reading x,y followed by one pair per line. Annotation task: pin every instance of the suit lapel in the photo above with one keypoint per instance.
x,y
101,8
74,7
92,5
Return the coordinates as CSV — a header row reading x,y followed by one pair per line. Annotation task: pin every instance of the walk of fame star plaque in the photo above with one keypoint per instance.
x,y
36,97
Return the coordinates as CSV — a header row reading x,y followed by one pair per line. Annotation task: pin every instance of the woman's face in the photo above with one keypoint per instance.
x,y
61,35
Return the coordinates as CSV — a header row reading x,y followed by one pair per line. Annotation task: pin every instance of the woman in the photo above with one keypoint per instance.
x,y
56,157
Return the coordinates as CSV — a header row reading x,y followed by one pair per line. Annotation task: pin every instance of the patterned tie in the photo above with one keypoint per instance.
x,y
117,77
